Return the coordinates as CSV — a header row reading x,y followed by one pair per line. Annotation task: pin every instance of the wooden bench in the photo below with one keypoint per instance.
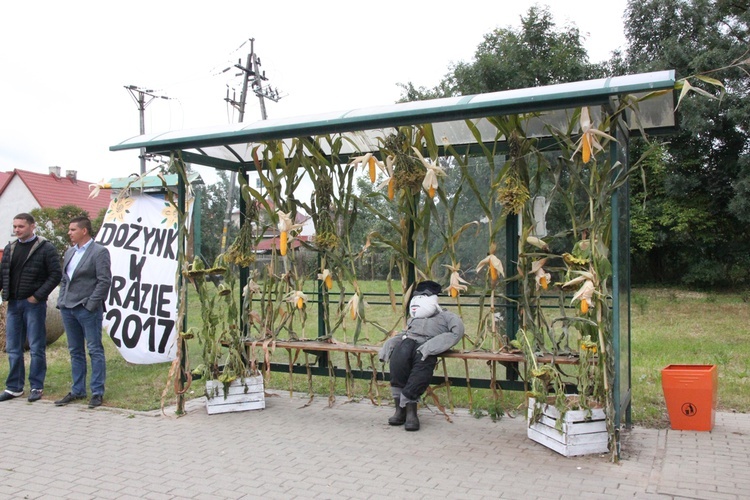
x,y
321,349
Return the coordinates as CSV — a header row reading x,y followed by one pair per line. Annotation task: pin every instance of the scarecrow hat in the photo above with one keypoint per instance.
x,y
428,288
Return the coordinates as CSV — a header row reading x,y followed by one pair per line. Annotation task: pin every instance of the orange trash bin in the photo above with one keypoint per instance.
x,y
691,395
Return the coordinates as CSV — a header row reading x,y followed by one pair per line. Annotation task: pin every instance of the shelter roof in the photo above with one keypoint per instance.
x,y
230,146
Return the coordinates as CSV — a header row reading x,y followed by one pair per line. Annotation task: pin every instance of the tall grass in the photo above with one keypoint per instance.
x,y
669,327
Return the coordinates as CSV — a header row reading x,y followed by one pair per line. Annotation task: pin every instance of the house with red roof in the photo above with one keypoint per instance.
x,y
271,239
23,191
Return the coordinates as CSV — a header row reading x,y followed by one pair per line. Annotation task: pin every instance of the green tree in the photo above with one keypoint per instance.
x,y
213,213
52,223
534,54
374,263
538,52
697,208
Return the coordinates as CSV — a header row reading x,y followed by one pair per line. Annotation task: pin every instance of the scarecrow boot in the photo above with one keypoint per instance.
x,y
412,421
399,417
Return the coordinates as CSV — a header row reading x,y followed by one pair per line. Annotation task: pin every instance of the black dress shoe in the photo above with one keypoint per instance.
x,y
96,400
69,398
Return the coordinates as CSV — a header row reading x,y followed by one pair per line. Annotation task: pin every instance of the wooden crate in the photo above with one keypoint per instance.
x,y
242,394
583,433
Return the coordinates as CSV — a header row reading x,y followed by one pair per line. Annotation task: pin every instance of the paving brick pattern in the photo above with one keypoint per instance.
x,y
345,451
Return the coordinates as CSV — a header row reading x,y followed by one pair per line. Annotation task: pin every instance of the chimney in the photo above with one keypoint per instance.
x,y
55,171
71,174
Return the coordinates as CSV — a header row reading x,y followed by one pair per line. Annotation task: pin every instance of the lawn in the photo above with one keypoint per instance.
x,y
679,327
669,327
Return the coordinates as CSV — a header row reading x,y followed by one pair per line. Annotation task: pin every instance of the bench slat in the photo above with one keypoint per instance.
x,y
315,345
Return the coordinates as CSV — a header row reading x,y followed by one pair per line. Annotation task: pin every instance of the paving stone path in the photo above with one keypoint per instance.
x,y
344,451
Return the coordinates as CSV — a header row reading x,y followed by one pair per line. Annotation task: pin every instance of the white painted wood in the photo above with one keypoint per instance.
x,y
579,436
214,409
574,427
242,394
574,415
215,389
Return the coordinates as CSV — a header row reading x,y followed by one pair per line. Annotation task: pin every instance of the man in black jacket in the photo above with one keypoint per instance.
x,y
29,271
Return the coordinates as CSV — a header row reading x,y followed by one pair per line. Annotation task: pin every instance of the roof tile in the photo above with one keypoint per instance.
x,y
52,191
5,177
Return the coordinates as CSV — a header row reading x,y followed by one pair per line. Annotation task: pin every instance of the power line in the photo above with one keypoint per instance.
x,y
251,70
139,95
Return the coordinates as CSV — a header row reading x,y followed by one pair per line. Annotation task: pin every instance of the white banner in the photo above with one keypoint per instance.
x,y
141,234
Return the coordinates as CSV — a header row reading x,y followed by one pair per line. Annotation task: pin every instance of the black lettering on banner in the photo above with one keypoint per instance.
x,y
139,308
158,243
133,236
106,233
171,245
118,283
120,331
132,298
149,326
154,297
115,316
131,341
168,325
163,301
120,235
136,267
144,296
148,233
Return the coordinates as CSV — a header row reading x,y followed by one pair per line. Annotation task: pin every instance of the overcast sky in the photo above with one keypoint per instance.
x,y
65,63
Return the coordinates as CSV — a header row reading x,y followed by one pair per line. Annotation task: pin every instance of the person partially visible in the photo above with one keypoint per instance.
x,y
83,290
430,330
29,272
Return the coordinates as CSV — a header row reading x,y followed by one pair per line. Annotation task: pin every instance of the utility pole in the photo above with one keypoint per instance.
x,y
250,70
141,102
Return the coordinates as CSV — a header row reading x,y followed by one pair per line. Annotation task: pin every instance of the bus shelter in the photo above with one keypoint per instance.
x,y
517,201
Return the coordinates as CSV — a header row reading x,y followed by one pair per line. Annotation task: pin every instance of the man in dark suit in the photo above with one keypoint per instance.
x,y
83,290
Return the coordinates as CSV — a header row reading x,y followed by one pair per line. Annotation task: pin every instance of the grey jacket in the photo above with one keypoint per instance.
x,y
91,280
434,335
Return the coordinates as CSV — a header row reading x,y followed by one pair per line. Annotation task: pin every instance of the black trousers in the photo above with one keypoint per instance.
x,y
409,372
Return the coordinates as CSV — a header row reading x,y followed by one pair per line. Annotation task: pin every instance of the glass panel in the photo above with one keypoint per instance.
x,y
623,271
